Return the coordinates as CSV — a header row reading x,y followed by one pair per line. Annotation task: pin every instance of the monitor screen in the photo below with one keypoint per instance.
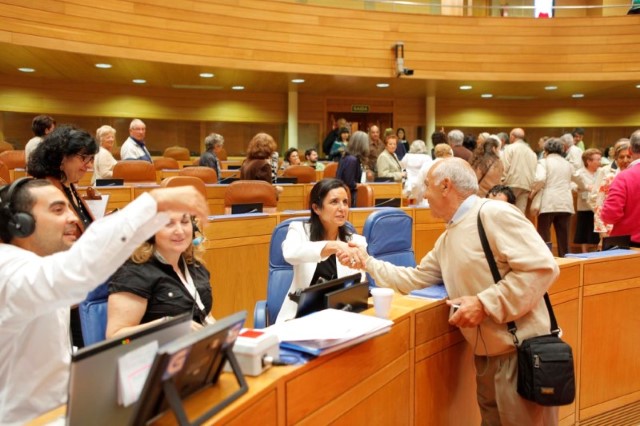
x,y
383,179
109,182
246,208
233,167
316,297
617,242
227,180
93,379
286,179
189,364
388,202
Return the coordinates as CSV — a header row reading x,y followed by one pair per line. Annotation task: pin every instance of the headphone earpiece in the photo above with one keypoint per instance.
x,y
20,224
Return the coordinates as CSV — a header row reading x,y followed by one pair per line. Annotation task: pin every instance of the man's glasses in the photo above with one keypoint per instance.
x,y
86,159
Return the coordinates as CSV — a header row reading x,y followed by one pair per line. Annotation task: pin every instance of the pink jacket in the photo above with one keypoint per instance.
x,y
621,207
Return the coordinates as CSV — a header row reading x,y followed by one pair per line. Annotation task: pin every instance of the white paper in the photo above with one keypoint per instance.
x,y
98,207
328,327
133,369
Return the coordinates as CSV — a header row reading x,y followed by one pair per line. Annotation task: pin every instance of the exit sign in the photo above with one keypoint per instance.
x,y
359,108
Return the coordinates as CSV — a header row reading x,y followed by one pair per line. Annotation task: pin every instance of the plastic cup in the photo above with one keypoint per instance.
x,y
382,298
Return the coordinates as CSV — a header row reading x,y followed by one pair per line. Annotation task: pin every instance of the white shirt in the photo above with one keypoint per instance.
x,y
35,295
130,150
103,165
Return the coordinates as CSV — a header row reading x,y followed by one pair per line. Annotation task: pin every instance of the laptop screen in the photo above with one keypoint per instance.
x,y
93,380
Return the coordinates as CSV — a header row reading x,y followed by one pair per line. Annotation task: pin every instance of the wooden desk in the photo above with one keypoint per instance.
x,y
293,197
165,173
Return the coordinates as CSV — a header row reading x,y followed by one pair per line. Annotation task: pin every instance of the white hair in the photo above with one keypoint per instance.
x,y
455,137
136,122
567,140
418,147
459,172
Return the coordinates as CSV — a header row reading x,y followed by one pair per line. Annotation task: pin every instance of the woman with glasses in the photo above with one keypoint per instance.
x,y
63,157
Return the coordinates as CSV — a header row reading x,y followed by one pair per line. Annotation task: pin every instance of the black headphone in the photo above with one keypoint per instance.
x,y
18,224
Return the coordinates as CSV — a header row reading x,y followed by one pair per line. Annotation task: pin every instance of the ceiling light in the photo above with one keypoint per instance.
x,y
637,86
578,95
550,87
103,66
237,87
486,95
207,75
466,87
298,80
24,69
382,85
139,81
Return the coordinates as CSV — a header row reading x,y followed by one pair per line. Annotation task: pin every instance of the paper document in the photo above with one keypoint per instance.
x,y
98,207
133,369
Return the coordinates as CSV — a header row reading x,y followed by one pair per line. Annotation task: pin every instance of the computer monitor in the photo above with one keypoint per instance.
x,y
336,293
286,179
93,379
383,179
617,242
109,182
190,364
246,208
388,202
227,180
234,167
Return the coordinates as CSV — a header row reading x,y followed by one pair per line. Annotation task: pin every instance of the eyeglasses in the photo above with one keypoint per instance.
x,y
86,159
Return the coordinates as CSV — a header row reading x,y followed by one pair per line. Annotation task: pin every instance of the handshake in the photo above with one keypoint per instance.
x,y
352,255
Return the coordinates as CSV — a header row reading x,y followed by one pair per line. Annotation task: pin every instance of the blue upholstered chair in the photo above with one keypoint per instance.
x,y
93,315
280,276
389,237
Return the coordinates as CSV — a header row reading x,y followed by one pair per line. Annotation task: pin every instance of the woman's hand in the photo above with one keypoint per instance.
x,y
352,256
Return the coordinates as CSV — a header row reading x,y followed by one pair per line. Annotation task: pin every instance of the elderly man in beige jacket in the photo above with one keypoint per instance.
x,y
519,167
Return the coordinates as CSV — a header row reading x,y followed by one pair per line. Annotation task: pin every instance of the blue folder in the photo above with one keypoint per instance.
x,y
599,254
431,292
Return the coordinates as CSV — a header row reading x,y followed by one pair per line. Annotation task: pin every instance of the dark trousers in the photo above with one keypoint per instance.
x,y
560,223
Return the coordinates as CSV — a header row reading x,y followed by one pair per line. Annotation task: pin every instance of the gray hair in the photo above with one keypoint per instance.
x,y
212,140
555,146
103,131
459,172
455,137
136,122
359,145
418,147
635,142
567,140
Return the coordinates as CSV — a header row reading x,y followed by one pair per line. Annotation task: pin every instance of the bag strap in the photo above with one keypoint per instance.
x,y
511,325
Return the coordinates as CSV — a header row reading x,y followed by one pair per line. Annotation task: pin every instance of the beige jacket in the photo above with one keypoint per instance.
x,y
525,263
519,165
388,165
553,178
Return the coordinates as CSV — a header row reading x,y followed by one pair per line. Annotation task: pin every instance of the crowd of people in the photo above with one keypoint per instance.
x,y
53,251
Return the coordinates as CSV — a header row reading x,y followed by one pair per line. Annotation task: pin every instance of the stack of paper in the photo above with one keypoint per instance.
x,y
327,331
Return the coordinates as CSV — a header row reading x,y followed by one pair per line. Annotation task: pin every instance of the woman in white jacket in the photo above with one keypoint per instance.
x,y
553,178
311,247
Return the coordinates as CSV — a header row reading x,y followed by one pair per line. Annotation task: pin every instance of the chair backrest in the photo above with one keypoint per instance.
x,y
305,174
364,197
330,170
13,159
185,181
389,237
177,152
134,171
206,174
93,315
280,271
165,163
251,191
6,146
4,172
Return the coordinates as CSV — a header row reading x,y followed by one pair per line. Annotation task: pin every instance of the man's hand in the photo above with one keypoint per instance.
x,y
469,314
182,199
355,257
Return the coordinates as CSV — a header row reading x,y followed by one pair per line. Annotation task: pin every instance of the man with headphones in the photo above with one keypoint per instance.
x,y
44,270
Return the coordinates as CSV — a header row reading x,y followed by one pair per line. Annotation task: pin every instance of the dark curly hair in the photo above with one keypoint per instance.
x,y
64,141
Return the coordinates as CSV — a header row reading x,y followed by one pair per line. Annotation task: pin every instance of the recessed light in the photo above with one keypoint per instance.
x,y
550,87
466,87
207,75
486,95
298,80
139,81
103,66
382,85
637,86
578,95
237,87
24,69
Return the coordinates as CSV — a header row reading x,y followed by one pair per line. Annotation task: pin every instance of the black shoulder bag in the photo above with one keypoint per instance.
x,y
545,363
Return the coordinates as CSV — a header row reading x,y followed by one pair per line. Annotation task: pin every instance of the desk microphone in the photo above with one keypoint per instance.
x,y
383,202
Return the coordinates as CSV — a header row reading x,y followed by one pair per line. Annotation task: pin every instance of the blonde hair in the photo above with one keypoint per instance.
x,y
145,251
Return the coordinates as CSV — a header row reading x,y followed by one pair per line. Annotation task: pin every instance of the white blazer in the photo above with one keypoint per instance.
x,y
304,255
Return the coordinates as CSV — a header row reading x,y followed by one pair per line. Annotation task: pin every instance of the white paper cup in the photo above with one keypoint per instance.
x,y
382,298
